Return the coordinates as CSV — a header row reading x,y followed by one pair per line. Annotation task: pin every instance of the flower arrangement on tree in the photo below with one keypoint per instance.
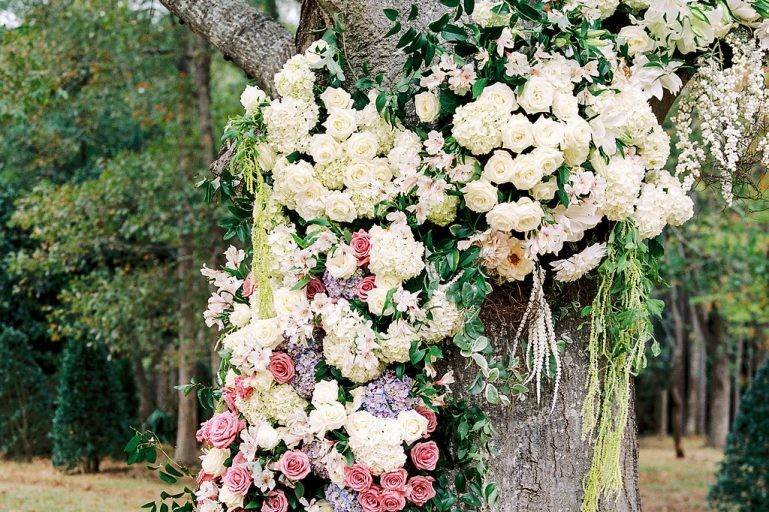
x,y
518,144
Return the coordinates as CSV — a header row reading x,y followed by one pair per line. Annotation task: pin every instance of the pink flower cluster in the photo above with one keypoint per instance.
x,y
393,490
221,430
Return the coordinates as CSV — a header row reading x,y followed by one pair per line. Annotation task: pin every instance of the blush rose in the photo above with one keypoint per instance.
x,y
420,490
223,428
425,455
294,464
237,479
281,367
360,242
357,477
276,502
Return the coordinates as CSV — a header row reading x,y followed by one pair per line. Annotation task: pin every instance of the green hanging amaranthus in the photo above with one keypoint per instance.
x,y
620,328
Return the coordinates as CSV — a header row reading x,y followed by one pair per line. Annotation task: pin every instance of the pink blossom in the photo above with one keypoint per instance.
x,y
223,429
276,502
237,479
365,285
394,480
357,477
248,285
360,242
432,418
371,500
281,367
425,455
392,501
420,490
294,464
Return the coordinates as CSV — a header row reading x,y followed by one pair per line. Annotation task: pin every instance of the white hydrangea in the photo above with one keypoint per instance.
x,y
395,255
443,318
289,122
651,212
376,442
394,345
477,126
296,79
622,176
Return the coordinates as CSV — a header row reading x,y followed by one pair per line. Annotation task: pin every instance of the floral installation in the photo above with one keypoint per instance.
x,y
518,144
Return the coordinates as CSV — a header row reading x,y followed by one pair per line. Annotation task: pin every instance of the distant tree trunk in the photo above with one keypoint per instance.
x,y
737,385
187,412
702,384
662,413
695,376
144,387
718,427
677,371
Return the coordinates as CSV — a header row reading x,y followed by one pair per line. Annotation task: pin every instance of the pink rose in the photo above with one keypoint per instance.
x,y
203,432
361,246
314,287
420,490
237,479
223,428
365,285
276,502
248,285
371,500
392,501
425,455
394,480
281,367
357,477
294,464
432,419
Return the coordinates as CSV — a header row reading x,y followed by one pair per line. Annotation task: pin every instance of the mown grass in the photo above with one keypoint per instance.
x,y
676,485
667,484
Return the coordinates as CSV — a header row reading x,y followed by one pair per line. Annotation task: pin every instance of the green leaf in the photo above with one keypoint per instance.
x,y
413,12
469,6
394,30
479,86
392,14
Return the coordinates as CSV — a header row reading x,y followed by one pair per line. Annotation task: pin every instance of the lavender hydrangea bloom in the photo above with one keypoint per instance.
x,y
346,288
342,500
388,395
304,380
316,451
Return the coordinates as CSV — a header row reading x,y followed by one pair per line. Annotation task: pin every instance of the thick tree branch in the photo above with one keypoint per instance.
x,y
253,41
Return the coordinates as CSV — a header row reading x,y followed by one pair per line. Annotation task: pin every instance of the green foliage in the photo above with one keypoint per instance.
x,y
743,478
25,398
89,421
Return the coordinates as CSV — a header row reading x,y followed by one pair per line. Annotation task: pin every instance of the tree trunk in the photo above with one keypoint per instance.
x,y
695,376
737,385
720,381
144,387
662,413
187,412
677,371
698,339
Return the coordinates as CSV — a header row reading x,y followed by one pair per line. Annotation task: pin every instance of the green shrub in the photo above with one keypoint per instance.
x,y
89,422
25,398
743,477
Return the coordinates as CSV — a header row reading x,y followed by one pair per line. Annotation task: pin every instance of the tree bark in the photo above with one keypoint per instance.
x,y
698,340
677,372
737,384
144,387
695,375
662,413
718,427
256,43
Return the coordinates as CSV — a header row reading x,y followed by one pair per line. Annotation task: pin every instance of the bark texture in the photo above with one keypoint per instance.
x,y
254,42
721,381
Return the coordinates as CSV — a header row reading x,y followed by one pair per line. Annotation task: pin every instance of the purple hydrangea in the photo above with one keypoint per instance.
x,y
345,288
316,451
342,500
388,395
304,363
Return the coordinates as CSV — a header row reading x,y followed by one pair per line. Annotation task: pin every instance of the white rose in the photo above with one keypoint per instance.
x,y
502,217
547,132
342,263
299,176
376,301
528,215
229,498
480,196
382,170
362,146
341,123
499,168
316,53
636,39
427,106
324,148
565,106
526,172
266,436
501,96
339,207
262,380
212,462
545,190
309,203
320,506
251,98
265,332
325,392
517,133
413,425
327,417
266,156
286,299
360,421
576,141
334,97
537,95
549,159
359,175
241,315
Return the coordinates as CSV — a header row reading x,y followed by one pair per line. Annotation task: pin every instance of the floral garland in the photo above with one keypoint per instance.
x,y
376,236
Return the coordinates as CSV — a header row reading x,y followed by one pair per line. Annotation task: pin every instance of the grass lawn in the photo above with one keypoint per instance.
x,y
676,485
667,484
